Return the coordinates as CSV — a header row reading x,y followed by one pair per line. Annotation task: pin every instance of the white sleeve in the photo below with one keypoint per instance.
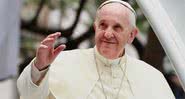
x,y
37,75
28,90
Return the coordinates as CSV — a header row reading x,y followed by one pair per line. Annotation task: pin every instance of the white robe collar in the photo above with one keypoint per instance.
x,y
109,62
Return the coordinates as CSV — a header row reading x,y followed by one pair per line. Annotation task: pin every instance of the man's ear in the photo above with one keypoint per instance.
x,y
132,35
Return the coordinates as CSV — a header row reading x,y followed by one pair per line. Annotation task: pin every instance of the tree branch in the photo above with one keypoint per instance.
x,y
77,17
34,20
72,44
33,27
43,31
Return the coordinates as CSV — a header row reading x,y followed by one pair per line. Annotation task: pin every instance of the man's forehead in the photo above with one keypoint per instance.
x,y
114,11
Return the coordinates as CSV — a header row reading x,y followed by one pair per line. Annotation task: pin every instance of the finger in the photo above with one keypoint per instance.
x,y
42,48
48,42
55,35
59,49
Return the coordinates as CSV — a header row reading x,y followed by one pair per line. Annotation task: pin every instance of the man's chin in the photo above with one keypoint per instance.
x,y
106,50
106,53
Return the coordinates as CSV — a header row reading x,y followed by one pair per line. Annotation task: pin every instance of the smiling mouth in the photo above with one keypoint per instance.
x,y
109,42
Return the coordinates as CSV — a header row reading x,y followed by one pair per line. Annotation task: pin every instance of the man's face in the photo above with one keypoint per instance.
x,y
112,30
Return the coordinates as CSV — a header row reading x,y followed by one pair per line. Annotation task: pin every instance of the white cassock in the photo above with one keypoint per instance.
x,y
85,74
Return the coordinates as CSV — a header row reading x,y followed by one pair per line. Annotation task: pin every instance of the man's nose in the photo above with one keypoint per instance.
x,y
108,34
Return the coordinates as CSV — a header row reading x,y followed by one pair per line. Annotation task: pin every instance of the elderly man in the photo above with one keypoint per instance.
x,y
102,72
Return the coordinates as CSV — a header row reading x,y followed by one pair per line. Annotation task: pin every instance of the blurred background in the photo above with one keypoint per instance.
x,y
24,23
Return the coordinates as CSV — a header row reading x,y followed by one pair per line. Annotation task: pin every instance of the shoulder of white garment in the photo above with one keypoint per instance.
x,y
88,54
140,64
148,78
138,69
74,53
80,55
73,58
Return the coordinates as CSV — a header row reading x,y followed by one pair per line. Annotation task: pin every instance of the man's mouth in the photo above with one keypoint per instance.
x,y
110,42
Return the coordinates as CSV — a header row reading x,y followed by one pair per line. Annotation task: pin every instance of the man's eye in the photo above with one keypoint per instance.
x,y
102,26
117,28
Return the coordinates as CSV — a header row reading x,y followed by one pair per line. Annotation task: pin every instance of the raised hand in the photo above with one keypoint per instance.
x,y
46,53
